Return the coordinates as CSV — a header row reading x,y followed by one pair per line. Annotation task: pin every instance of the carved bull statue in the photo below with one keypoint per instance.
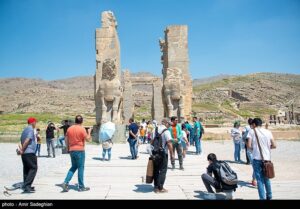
x,y
110,92
173,92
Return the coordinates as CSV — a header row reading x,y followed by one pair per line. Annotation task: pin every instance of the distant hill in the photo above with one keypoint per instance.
x,y
206,80
259,93
74,95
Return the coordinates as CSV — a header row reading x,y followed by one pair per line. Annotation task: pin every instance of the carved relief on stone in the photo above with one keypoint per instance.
x,y
110,91
109,70
173,91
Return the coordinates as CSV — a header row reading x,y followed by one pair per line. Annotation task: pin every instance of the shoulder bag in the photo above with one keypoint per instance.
x,y
268,167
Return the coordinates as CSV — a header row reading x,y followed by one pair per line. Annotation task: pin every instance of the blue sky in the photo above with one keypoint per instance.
x,y
54,39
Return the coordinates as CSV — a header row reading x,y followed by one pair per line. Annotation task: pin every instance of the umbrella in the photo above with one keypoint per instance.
x,y
107,130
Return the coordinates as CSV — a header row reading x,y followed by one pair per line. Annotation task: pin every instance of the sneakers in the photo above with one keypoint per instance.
x,y
83,189
181,167
156,190
173,167
28,190
65,187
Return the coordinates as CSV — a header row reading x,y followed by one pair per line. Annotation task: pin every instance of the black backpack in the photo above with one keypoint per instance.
x,y
228,177
158,150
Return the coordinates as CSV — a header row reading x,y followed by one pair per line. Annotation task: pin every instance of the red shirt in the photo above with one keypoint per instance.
x,y
76,135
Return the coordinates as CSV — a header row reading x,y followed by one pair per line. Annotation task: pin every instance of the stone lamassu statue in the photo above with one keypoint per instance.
x,y
173,92
110,92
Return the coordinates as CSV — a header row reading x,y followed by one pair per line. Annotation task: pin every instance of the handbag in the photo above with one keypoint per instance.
x,y
268,167
107,144
149,173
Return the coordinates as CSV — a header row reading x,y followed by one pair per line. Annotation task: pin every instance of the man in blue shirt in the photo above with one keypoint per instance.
x,y
27,152
197,133
132,140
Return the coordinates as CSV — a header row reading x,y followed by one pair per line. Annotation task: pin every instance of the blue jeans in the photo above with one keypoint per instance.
x,y
250,156
262,181
38,149
237,152
197,144
77,159
61,140
108,153
191,138
133,147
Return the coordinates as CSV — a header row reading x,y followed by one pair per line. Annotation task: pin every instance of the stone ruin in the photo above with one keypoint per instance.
x,y
171,95
177,83
108,89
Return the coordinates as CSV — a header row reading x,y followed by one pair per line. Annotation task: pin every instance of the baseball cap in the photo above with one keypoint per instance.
x,y
31,120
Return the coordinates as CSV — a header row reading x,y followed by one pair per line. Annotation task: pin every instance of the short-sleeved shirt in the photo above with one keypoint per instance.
x,y
65,128
184,136
76,135
134,129
28,133
50,131
236,135
142,132
197,129
264,137
166,136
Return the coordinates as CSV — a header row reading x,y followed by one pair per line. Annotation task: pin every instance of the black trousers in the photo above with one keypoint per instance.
x,y
29,169
159,172
178,149
247,158
210,181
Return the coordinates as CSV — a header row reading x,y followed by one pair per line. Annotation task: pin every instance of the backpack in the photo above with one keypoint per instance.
x,y
158,150
227,176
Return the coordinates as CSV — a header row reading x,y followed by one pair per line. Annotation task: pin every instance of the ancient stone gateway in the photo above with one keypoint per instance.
x,y
114,99
130,98
177,83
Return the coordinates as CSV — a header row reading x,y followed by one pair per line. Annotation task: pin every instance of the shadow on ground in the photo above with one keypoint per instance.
x,y
210,196
43,156
71,187
236,162
97,158
143,188
125,158
246,184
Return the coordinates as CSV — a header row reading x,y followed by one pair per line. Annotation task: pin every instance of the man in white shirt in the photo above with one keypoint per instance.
x,y
161,167
267,143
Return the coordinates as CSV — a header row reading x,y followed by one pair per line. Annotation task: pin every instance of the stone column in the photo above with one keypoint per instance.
x,y
175,58
128,103
157,103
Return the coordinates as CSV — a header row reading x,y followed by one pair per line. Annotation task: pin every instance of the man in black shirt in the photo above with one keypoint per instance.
x,y
212,168
132,140
50,138
65,128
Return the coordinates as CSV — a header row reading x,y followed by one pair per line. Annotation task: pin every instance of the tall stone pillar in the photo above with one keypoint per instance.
x,y
157,102
177,83
107,85
128,103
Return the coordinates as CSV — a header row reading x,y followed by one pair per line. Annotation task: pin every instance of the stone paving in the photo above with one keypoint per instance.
x,y
123,178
